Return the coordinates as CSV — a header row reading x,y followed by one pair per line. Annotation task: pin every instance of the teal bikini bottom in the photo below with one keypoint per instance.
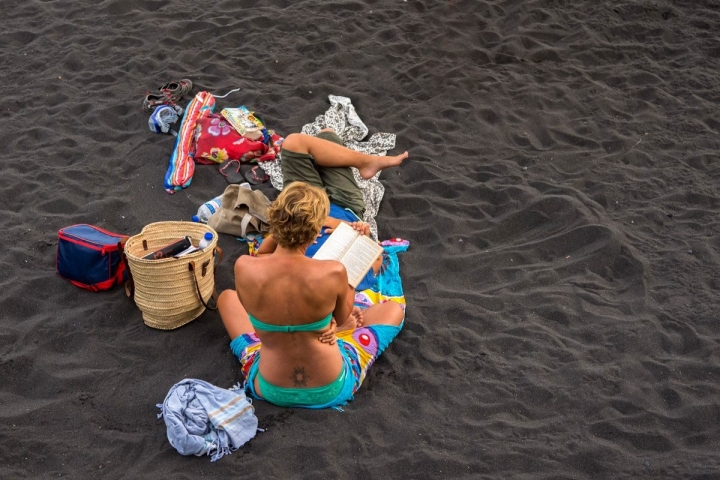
x,y
291,397
337,393
359,349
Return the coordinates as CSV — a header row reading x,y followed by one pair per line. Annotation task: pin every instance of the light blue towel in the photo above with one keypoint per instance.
x,y
389,282
203,419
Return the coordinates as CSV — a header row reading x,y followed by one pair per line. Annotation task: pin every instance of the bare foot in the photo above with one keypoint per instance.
x,y
358,314
380,163
353,321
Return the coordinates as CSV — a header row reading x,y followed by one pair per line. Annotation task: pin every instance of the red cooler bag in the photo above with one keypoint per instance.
x,y
91,257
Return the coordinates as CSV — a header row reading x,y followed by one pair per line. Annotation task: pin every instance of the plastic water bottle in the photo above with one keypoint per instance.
x,y
208,208
206,241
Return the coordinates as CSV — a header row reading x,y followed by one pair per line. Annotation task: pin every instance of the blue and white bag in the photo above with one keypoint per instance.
x,y
162,118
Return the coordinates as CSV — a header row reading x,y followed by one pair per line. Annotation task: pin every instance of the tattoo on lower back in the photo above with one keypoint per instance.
x,y
299,377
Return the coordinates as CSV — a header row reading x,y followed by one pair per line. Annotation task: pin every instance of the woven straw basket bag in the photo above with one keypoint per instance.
x,y
171,292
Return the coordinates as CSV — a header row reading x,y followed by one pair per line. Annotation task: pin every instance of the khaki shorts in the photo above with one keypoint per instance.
x,y
339,183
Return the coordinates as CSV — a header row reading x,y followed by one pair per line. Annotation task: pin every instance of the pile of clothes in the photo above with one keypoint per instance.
x,y
207,138
246,151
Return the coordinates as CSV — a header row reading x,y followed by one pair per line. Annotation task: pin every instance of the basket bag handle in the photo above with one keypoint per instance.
x,y
129,284
203,268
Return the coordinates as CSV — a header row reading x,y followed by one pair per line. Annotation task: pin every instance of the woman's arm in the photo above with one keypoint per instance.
x,y
267,247
332,223
344,301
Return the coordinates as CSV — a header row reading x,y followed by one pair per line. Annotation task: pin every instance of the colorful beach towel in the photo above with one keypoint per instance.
x,y
368,345
388,286
182,164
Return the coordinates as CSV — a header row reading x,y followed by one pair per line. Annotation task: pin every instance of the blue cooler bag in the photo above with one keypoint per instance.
x,y
91,257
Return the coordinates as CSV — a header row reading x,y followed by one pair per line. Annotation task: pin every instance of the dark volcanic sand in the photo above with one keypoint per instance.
x,y
561,199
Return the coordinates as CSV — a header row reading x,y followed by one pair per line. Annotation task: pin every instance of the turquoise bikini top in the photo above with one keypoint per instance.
x,y
305,327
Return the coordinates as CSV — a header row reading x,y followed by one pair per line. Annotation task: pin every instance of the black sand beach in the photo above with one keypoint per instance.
x,y
561,199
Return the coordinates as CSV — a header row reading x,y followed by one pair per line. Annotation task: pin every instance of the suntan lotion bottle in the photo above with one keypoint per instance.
x,y
206,241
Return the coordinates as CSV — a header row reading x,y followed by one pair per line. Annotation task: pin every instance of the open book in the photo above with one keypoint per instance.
x,y
357,252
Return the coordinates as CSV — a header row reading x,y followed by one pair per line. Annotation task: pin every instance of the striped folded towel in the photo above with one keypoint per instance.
x,y
203,419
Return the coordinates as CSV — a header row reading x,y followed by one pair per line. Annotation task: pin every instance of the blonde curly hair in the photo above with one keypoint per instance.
x,y
297,215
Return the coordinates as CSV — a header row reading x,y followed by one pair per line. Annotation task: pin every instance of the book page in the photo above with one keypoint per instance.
x,y
337,244
359,258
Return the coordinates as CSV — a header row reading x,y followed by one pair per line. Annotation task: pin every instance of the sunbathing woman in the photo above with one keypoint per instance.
x,y
285,301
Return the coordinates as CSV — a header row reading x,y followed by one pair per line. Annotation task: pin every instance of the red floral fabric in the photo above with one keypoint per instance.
x,y
216,141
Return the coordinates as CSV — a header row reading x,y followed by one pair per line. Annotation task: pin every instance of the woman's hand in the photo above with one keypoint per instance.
x,y
361,227
328,335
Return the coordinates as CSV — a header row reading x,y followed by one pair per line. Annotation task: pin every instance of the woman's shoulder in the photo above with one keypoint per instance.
x,y
244,261
316,269
327,267
298,266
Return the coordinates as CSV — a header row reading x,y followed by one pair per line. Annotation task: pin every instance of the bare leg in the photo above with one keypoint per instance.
x,y
332,155
233,314
388,313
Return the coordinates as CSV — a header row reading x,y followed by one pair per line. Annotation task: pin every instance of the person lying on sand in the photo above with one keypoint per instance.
x,y
285,301
325,162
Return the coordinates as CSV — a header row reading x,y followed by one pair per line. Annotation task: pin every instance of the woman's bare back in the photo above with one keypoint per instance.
x,y
292,290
